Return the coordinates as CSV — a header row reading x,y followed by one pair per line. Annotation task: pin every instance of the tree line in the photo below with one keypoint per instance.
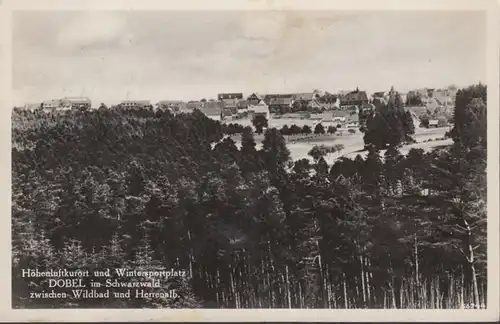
x,y
252,228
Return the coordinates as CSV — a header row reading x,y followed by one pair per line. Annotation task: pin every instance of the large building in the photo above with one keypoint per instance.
x,y
135,104
214,110
52,104
260,109
174,105
354,98
76,103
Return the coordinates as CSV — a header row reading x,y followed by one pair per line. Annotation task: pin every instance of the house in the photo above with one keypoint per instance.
x,y
32,106
307,96
223,96
175,105
254,98
76,103
329,101
280,105
135,104
231,104
260,109
243,104
353,98
444,97
338,119
269,97
433,123
352,124
214,110
315,105
378,94
52,104
192,105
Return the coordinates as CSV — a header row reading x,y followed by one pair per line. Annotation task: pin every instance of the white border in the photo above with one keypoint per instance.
x,y
493,67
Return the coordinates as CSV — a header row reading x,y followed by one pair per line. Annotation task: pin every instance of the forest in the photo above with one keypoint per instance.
x,y
149,190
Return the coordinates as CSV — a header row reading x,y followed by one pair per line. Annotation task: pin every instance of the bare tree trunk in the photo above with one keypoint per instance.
x,y
346,305
368,286
289,295
393,293
363,288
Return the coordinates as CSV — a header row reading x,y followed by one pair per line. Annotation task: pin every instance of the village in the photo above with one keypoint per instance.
x,y
431,111
340,108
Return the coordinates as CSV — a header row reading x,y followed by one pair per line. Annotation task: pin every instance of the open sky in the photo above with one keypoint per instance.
x,y
110,56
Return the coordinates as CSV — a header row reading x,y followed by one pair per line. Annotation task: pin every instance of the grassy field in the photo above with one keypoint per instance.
x,y
353,143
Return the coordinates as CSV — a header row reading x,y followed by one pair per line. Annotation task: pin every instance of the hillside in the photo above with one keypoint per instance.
x,y
244,226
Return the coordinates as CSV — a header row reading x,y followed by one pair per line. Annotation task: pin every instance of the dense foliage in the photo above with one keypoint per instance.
x,y
150,190
388,125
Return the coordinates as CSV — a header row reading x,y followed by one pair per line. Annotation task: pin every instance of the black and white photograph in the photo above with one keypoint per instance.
x,y
250,159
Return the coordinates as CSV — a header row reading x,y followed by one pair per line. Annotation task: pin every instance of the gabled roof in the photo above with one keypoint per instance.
x,y
258,96
354,96
379,94
315,102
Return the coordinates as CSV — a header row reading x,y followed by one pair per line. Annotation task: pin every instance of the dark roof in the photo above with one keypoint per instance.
x,y
354,96
237,95
138,102
213,105
303,96
242,104
379,94
230,102
194,105
260,97
328,98
277,95
77,99
280,101
170,102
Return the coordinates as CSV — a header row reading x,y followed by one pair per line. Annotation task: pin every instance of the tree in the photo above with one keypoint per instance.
x,y
424,121
306,129
414,99
351,130
319,129
318,151
391,125
285,130
294,129
276,154
470,116
259,122
331,130
103,106
249,158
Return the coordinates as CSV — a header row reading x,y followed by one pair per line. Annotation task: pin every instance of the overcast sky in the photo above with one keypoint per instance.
x,y
111,56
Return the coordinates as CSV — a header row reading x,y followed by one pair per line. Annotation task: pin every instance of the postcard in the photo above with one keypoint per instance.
x,y
250,160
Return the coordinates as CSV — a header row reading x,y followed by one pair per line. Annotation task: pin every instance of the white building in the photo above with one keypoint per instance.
x,y
260,109
75,103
